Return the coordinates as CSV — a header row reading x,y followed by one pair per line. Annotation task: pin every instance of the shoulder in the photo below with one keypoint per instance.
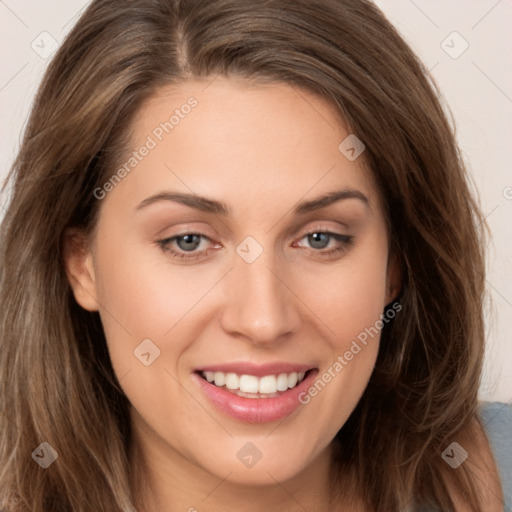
x,y
487,447
496,420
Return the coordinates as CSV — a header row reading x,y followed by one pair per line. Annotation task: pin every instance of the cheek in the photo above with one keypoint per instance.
x,y
350,297
149,299
146,300
143,297
350,302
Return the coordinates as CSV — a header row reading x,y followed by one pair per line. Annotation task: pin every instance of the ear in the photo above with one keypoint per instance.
x,y
78,260
394,278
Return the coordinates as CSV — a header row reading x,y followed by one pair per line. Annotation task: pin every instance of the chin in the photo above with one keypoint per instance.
x,y
251,466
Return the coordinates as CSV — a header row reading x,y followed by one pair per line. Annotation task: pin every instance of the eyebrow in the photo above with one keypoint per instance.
x,y
207,205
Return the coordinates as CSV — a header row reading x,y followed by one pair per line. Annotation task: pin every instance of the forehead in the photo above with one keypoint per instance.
x,y
239,141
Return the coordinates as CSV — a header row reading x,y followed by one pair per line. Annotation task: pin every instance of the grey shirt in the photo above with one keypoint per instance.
x,y
497,421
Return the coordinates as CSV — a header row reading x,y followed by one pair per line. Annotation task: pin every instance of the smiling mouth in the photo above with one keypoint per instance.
x,y
251,386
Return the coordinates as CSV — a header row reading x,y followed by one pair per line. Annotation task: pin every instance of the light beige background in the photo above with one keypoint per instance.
x,y
476,82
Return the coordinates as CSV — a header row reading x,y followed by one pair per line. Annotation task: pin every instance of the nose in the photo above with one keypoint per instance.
x,y
259,306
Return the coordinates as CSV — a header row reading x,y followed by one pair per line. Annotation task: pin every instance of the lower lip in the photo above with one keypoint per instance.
x,y
256,410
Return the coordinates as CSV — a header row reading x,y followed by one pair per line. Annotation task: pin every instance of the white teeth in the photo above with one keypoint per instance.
x,y
268,384
251,385
219,378
282,382
232,381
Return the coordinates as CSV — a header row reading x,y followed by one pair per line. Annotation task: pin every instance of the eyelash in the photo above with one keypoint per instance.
x,y
345,240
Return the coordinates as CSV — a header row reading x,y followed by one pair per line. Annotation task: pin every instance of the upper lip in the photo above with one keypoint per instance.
x,y
258,370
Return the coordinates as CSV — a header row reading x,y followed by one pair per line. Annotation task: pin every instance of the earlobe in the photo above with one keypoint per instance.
x,y
78,260
394,278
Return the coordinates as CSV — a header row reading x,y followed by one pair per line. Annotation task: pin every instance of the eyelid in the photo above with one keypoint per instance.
x,y
165,246
184,228
343,244
320,227
298,234
339,237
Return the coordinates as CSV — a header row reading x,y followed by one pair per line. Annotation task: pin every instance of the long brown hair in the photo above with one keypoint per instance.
x,y
57,383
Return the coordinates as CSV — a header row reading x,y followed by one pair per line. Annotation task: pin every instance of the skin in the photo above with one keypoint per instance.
x,y
260,149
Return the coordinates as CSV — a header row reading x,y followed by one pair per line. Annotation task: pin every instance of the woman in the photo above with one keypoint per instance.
x,y
241,270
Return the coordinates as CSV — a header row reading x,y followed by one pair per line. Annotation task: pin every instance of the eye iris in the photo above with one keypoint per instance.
x,y
188,242
318,240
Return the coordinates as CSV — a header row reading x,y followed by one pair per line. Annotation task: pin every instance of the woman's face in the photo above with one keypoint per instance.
x,y
245,248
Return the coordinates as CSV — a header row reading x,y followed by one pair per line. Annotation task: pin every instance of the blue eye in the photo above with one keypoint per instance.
x,y
319,240
178,246
185,247
188,242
